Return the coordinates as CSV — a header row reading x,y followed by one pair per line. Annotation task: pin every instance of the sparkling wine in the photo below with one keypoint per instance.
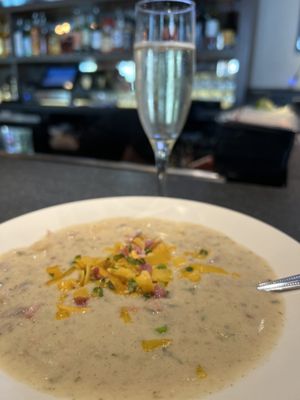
x,y
164,77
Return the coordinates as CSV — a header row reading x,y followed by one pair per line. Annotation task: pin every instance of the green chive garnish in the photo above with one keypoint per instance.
x,y
117,257
161,266
76,258
162,329
135,261
203,252
131,285
98,291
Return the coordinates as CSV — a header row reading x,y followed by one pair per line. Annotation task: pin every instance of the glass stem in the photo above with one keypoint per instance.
x,y
162,152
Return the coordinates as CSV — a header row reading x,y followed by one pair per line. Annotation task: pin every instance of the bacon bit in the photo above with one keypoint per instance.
x,y
159,292
136,235
95,274
125,251
151,244
146,267
29,312
138,249
81,301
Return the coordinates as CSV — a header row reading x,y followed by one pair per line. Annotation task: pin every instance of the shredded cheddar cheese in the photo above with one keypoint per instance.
x,y
153,344
125,316
200,372
140,266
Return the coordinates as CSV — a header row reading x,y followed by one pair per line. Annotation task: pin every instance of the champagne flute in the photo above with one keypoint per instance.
x,y
164,53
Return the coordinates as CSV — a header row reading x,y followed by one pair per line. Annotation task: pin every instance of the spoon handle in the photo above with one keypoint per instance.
x,y
280,285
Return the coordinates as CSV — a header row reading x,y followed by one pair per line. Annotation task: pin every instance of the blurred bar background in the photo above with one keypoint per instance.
x,y
67,85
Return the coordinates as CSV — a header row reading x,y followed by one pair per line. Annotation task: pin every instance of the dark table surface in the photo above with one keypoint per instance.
x,y
31,183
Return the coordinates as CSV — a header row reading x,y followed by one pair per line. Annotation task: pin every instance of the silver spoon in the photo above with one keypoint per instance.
x,y
281,285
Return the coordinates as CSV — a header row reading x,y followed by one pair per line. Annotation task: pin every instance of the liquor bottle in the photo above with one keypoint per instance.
x,y
107,42
66,39
77,31
96,34
212,29
86,33
118,32
128,34
199,31
54,47
27,42
14,89
230,27
35,35
201,20
6,38
44,34
18,38
2,46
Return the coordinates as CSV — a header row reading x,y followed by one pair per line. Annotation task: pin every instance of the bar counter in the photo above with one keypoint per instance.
x,y
30,183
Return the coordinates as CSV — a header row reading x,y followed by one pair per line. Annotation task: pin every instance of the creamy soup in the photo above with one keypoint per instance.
x,y
135,308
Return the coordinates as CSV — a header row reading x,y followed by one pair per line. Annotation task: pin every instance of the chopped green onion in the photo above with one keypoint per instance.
x,y
135,261
162,329
117,257
131,285
98,291
161,266
203,252
110,285
76,258
189,269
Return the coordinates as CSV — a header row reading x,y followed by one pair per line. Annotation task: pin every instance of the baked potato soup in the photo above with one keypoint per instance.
x,y
135,309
